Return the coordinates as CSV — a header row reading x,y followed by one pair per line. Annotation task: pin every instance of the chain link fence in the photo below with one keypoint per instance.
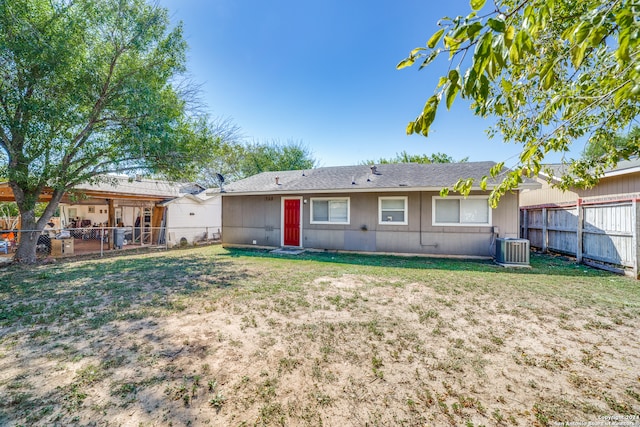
x,y
57,242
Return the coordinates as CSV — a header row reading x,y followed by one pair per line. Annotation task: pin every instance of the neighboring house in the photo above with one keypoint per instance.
x,y
390,208
148,208
623,180
194,217
599,226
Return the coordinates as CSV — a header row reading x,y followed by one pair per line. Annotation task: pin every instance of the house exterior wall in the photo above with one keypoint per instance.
x,y
100,214
621,184
127,214
609,186
191,220
546,194
256,220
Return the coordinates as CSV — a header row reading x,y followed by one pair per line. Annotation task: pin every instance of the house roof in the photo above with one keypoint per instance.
x,y
125,187
361,178
148,187
622,168
202,197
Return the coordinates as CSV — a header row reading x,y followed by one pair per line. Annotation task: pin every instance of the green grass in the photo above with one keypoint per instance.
x,y
425,333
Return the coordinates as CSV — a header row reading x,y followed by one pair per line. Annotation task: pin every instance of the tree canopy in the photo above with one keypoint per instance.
x,y
552,73
236,159
405,157
622,142
89,87
275,156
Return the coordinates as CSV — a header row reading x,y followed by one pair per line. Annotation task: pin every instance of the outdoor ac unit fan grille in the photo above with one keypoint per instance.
x,y
512,251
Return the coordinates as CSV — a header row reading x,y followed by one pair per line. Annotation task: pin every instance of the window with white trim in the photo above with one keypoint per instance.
x,y
330,210
452,210
392,210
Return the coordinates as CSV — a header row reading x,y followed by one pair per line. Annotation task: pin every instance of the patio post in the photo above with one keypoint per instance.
x,y
111,222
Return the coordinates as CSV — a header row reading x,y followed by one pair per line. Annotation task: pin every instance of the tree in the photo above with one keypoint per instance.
x,y
552,72
275,156
630,141
405,157
235,159
89,87
225,155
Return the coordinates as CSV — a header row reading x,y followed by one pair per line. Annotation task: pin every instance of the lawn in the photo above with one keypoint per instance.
x,y
208,336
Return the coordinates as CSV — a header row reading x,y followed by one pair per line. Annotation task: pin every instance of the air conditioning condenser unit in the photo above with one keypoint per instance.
x,y
512,252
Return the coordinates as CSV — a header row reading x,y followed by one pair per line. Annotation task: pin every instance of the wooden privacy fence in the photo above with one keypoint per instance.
x,y
601,233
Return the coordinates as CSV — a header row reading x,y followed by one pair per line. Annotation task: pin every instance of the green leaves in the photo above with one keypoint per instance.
x,y
435,38
497,25
547,76
521,47
453,87
477,4
628,35
425,119
407,62
548,72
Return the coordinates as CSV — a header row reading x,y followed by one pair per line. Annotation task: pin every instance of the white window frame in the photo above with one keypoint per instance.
x,y
330,199
461,224
405,199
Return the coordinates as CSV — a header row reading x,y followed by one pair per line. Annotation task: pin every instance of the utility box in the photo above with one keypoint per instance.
x,y
61,247
512,252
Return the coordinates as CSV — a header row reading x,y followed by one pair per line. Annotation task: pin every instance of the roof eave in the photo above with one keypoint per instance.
x,y
363,190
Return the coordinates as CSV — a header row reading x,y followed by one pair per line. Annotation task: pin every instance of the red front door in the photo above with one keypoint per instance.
x,y
291,222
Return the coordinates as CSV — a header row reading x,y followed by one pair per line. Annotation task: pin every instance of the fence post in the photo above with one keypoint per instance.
x,y
635,225
545,241
579,229
525,223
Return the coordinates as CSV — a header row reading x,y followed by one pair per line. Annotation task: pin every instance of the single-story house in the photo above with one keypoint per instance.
x,y
389,208
153,211
600,226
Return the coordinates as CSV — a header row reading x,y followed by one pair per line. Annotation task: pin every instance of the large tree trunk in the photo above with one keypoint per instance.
x,y
28,238
30,228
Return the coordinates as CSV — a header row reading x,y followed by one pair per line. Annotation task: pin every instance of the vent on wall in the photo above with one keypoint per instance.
x,y
512,251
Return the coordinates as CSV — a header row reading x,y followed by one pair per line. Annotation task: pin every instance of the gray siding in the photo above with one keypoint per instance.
x,y
247,219
251,218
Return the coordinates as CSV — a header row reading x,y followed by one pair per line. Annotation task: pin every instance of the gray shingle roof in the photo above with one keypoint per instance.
x,y
143,187
623,167
400,176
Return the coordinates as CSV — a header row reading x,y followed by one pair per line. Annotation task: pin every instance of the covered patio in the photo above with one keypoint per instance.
x,y
120,214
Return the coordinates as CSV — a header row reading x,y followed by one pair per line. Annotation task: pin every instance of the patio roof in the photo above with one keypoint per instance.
x,y
116,187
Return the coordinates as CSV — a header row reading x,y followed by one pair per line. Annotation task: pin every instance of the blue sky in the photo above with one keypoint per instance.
x,y
322,72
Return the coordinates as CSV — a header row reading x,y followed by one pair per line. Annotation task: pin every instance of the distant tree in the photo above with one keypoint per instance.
x,y
405,157
8,209
260,157
550,71
628,142
235,159
89,87
225,155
